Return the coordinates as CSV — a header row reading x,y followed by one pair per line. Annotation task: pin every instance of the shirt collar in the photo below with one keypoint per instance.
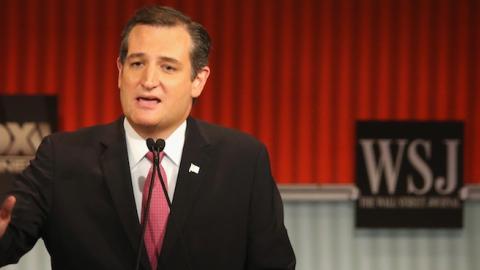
x,y
137,148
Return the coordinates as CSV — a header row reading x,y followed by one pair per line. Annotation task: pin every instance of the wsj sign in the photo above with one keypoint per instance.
x,y
409,174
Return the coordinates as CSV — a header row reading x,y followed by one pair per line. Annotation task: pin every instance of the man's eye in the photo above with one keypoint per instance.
x,y
136,64
169,68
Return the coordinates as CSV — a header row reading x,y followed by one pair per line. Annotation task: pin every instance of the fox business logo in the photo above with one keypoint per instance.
x,y
19,142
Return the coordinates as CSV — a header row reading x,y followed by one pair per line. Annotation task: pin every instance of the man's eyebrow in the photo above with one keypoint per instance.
x,y
169,59
135,55
161,58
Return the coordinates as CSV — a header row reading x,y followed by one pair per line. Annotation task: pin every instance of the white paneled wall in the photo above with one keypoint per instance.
x,y
324,238
36,259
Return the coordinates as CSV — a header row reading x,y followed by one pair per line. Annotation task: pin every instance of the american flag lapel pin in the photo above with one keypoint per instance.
x,y
194,168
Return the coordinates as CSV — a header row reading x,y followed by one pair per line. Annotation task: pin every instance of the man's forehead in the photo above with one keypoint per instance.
x,y
147,30
170,38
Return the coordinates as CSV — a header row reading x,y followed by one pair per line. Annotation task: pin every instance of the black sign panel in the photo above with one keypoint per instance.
x,y
409,174
24,121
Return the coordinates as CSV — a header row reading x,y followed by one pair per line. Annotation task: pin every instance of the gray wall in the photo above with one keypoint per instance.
x,y
324,237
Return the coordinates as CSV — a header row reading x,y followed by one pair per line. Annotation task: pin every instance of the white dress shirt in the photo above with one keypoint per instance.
x,y
140,165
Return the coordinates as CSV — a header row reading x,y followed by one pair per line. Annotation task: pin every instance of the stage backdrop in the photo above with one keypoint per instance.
x,y
296,74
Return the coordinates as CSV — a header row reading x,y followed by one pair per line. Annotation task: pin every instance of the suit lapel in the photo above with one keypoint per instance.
x,y
114,162
191,175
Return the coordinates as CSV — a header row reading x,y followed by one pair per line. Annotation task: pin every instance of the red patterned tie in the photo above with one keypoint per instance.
x,y
158,216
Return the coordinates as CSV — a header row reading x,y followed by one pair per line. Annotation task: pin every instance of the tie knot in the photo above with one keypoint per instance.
x,y
160,156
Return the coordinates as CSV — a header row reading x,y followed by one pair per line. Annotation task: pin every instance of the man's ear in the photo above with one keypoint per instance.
x,y
120,69
199,81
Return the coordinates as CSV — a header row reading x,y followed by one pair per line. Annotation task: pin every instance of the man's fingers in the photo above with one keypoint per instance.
x,y
7,207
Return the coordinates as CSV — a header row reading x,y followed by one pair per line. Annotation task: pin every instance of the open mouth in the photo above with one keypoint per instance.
x,y
148,101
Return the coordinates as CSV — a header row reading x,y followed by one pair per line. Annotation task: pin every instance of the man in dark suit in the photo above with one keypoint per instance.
x,y
83,191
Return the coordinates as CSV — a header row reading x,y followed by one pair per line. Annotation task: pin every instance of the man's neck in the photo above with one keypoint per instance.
x,y
154,132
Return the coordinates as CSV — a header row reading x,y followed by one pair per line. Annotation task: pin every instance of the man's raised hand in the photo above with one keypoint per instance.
x,y
6,214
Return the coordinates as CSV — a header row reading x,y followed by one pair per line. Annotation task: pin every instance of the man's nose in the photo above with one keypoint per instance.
x,y
150,78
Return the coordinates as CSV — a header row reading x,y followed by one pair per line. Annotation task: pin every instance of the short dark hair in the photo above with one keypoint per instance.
x,y
165,16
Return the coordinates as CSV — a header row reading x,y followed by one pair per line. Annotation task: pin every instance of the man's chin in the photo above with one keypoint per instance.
x,y
144,123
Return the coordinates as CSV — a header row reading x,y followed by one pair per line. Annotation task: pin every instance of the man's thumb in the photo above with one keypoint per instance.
x,y
7,207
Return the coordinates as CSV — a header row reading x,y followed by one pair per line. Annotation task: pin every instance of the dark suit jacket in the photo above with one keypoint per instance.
x,y
77,195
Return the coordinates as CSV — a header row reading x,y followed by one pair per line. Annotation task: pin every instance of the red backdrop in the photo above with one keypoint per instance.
x,y
296,74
